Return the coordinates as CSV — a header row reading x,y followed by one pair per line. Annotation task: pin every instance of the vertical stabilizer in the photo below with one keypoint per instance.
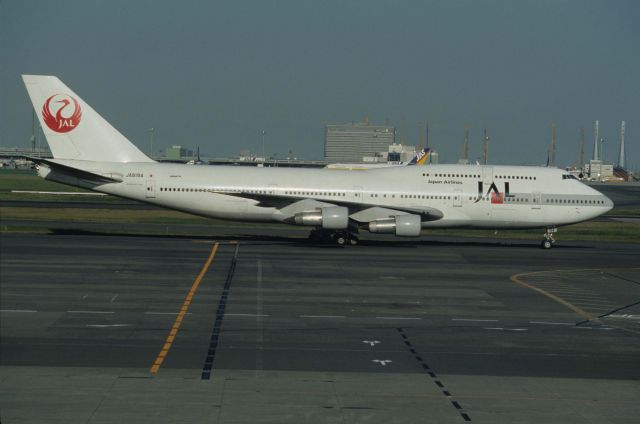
x,y
72,128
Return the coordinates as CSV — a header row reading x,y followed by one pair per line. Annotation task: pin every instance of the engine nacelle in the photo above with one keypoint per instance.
x,y
330,218
400,225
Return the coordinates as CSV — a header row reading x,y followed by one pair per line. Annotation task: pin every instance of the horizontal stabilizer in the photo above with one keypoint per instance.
x,y
75,172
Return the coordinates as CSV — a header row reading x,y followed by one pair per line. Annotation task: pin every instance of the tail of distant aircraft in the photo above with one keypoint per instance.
x,y
73,129
422,157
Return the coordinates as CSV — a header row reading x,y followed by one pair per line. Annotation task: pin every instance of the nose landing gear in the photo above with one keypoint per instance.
x,y
549,239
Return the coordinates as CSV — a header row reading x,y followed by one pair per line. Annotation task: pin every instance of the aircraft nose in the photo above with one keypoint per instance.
x,y
605,204
608,203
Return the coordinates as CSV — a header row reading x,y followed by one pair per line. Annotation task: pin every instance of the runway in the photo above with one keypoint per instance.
x,y
270,328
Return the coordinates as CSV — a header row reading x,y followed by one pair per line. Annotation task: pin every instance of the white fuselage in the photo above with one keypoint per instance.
x,y
467,195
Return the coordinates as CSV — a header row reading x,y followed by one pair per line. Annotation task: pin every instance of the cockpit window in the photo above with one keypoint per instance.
x,y
568,177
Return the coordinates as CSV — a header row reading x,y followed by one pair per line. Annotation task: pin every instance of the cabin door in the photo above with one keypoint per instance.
x,y
457,198
536,200
150,189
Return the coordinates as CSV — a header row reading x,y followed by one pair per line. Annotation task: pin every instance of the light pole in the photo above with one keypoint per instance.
x,y
263,154
151,130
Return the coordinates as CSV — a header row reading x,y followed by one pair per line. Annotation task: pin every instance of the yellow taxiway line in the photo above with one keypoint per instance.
x,y
183,311
517,279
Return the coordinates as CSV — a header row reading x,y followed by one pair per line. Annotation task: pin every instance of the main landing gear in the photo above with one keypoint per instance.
x,y
337,237
549,239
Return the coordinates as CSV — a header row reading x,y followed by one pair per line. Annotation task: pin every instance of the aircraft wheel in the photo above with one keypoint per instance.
x,y
353,241
546,244
314,235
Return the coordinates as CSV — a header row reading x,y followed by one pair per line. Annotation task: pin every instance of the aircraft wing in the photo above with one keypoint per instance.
x,y
363,212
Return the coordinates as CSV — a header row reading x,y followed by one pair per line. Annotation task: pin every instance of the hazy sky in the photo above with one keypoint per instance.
x,y
215,74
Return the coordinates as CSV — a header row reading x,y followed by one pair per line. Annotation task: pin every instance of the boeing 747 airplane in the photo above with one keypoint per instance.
x,y
88,152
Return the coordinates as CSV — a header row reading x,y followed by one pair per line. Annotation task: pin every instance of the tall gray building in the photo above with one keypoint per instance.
x,y
351,142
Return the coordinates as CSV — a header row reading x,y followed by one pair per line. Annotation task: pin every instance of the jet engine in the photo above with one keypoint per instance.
x,y
400,225
329,218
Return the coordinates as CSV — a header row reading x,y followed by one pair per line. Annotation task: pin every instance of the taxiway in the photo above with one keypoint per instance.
x,y
98,328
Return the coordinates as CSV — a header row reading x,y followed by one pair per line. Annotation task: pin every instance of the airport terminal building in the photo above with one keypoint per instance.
x,y
354,141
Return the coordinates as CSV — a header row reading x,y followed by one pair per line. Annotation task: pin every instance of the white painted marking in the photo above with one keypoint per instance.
x,y
569,290
18,310
247,315
397,318
107,325
473,319
90,312
551,323
114,298
591,303
596,308
321,316
371,342
505,329
624,316
587,299
382,362
594,298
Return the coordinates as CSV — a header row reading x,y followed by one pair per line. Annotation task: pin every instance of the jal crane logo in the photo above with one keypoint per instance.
x,y
57,114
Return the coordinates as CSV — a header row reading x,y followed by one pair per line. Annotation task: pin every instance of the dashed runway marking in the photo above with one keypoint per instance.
x,y
207,368
465,415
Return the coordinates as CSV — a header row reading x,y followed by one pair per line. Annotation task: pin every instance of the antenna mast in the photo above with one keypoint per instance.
x,y
552,147
485,148
426,141
581,149
595,141
465,147
621,159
